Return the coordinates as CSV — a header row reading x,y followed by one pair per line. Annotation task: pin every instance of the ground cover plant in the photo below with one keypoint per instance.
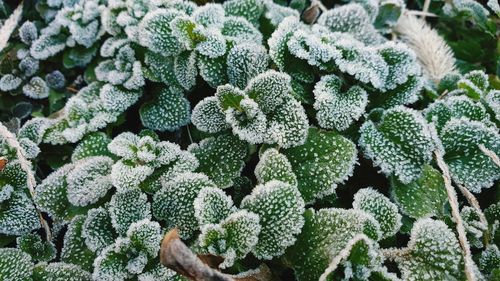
x,y
249,140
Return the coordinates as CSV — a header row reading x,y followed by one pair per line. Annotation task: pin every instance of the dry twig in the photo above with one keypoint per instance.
x,y
27,168
452,198
175,255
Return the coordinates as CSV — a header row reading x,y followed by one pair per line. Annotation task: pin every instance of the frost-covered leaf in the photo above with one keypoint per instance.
x,y
280,207
426,196
28,32
213,70
208,116
59,271
185,70
128,207
221,158
74,250
38,249
212,205
18,215
474,227
145,235
174,203
97,230
36,88
381,208
468,164
325,160
168,112
156,34
399,143
442,111
9,82
89,181
47,45
249,9
337,110
274,166
233,238
93,144
325,233
244,62
434,253
15,265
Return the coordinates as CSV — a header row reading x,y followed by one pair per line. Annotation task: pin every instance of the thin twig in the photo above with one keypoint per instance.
x,y
421,13
395,253
452,198
320,5
491,154
425,8
189,134
27,168
344,254
9,26
175,255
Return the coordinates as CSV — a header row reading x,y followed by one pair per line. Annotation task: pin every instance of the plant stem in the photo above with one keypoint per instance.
x,y
452,198
27,168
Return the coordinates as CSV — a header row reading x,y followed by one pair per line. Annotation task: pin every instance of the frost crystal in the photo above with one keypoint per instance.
x,y
434,253
400,143
280,207
338,110
381,208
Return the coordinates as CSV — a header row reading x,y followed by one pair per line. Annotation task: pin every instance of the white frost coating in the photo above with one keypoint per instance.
x,y
273,165
434,253
381,208
208,117
233,238
9,82
212,205
280,208
128,207
244,62
36,88
89,180
399,144
254,129
337,110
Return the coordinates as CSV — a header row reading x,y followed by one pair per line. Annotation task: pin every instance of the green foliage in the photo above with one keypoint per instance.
x,y
399,142
434,253
280,93
325,160
221,158
326,232
423,197
381,208
38,250
280,207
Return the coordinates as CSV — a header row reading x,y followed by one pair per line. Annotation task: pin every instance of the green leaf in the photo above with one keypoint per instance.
x,y
233,238
60,271
423,197
381,208
400,143
128,207
168,112
221,158
325,233
75,250
274,166
325,160
38,249
15,265
212,205
174,203
433,253
280,209
93,144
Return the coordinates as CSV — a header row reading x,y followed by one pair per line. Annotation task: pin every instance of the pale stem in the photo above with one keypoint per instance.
x,y
27,168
